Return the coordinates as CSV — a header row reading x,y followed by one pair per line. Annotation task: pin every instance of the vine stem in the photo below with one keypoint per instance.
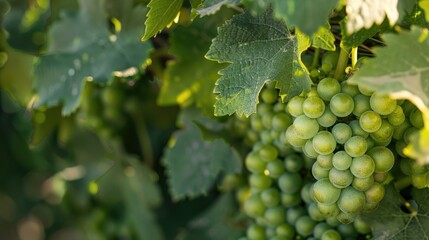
x,y
343,59
354,57
315,62
402,183
144,138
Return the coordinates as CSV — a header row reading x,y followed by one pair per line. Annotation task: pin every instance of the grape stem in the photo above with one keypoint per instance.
x,y
343,59
144,138
315,62
402,183
354,57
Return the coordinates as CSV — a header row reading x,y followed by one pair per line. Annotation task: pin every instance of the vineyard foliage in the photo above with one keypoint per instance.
x,y
214,119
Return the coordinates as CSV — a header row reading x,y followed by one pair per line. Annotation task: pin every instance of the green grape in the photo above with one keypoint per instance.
x,y
254,163
381,177
304,226
329,210
331,234
347,230
319,172
341,105
404,165
399,148
294,213
419,180
370,206
324,192
293,163
264,108
320,228
340,178
341,132
294,106
341,160
349,89
267,120
333,221
398,132
259,181
362,166
327,88
363,184
356,146
309,150
256,123
325,161
314,213
416,118
275,168
292,137
290,199
357,130
112,96
275,215
270,197
313,107
361,104
324,143
351,200
254,206
383,134
417,168
269,95
382,104
370,121
281,121
285,230
268,153
375,193
397,117
327,119
361,226
279,107
383,159
329,61
314,73
251,137
306,193
408,107
255,232
408,133
365,90
290,182
370,143
270,231
305,127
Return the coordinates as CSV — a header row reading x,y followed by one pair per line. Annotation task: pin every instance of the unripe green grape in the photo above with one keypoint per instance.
x,y
281,121
397,117
341,132
357,130
255,232
313,107
292,137
320,228
312,92
370,121
254,206
347,230
251,137
290,182
416,118
399,148
268,153
275,168
319,172
419,180
381,177
340,178
275,215
275,135
325,161
341,105
270,231
309,150
324,143
294,107
269,95
314,73
270,197
404,165
329,210
304,226
324,192
370,142
329,61
264,108
375,193
370,206
314,213
408,107
328,87
259,181
384,133
408,133
346,218
382,103
254,163
361,104
365,90
112,96
362,166
349,89
341,160
331,234
327,119
307,193
256,123
305,127
285,230
363,184
356,146
308,162
398,132
294,213
290,199
333,221
383,159
361,226
279,107
417,168
351,200
293,163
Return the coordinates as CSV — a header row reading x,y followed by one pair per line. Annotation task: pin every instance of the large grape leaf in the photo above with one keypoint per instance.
x,y
307,16
191,78
260,49
324,38
390,222
402,69
357,38
82,47
212,6
193,163
161,13
216,223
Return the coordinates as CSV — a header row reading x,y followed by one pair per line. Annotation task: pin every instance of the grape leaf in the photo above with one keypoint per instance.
x,y
324,38
212,6
82,47
193,164
191,78
304,14
357,38
404,77
161,13
216,223
390,222
260,50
